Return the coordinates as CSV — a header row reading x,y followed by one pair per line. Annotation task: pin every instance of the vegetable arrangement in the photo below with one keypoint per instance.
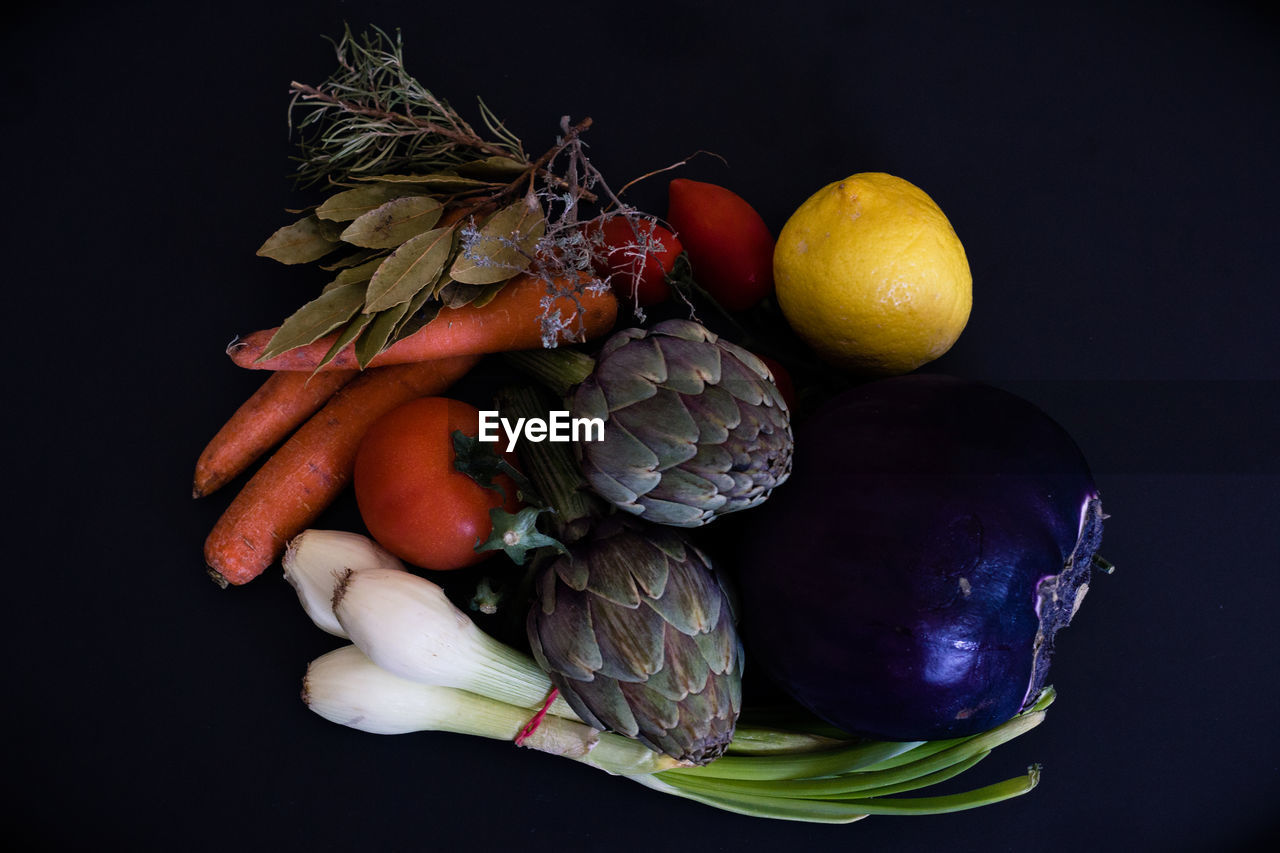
x,y
894,566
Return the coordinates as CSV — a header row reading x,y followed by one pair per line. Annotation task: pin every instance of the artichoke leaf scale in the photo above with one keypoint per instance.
x,y
742,383
567,643
692,603
609,488
719,648
685,662
589,401
626,458
716,406
699,706
664,426
630,375
574,572
602,703
687,330
666,683
681,485
699,365
644,358
651,572
611,576
659,712
675,514
670,544
619,340
713,462
711,432
748,431
629,640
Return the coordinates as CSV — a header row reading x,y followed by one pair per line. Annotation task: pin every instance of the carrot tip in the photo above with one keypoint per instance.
x,y
218,578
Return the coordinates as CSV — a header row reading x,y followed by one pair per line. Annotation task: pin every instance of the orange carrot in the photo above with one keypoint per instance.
x,y
509,322
308,471
264,420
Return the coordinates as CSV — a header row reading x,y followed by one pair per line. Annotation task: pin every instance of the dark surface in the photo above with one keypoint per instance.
x,y
1113,177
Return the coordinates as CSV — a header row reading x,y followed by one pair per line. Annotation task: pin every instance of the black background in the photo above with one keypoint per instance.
x,y
1111,170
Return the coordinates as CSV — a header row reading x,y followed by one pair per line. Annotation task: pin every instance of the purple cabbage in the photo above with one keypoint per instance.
x,y
909,581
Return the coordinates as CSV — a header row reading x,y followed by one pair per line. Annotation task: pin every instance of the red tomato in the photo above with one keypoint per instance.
x,y
415,504
650,287
729,246
782,378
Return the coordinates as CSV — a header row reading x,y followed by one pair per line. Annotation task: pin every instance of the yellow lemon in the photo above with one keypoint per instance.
x,y
872,275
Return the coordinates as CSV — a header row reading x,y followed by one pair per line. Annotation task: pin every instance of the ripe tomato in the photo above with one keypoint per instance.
x,y
415,504
650,286
729,246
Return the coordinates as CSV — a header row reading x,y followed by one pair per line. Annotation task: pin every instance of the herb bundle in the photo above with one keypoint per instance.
x,y
425,212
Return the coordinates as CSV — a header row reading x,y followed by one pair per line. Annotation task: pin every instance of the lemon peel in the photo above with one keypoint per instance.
x,y
871,274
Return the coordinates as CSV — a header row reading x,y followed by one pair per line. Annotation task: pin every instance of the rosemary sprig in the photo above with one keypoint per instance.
x,y
372,116
431,213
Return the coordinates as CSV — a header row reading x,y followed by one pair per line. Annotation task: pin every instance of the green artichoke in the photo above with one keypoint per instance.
x,y
637,633
694,425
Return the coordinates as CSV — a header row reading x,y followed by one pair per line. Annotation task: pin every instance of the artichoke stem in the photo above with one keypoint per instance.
x,y
551,465
559,369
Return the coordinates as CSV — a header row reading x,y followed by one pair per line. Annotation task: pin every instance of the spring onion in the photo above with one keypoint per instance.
x,y
418,663
344,686
316,560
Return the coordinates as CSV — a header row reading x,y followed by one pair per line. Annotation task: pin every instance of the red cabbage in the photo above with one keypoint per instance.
x,y
909,580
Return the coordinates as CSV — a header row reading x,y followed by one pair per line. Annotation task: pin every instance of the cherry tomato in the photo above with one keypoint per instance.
x,y
729,246
782,378
650,287
412,499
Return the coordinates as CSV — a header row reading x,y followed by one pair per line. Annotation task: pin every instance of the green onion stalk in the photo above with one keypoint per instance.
x,y
417,663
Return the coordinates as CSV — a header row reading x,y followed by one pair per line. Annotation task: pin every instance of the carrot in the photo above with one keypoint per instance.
x,y
509,322
308,471
276,409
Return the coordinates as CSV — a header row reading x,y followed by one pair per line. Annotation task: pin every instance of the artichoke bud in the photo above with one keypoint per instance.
x,y
694,426
637,632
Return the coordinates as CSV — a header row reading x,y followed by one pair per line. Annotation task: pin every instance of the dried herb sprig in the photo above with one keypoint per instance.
x,y
372,116
430,214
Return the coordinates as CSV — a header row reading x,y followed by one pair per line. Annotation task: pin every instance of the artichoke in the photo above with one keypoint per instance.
x,y
694,425
637,633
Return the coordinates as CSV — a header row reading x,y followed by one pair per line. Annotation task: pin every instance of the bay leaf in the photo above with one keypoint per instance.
x,y
434,181
377,336
308,239
458,295
390,224
486,294
423,308
409,269
504,247
348,334
441,283
364,272
349,204
356,275
316,319
496,167
351,260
